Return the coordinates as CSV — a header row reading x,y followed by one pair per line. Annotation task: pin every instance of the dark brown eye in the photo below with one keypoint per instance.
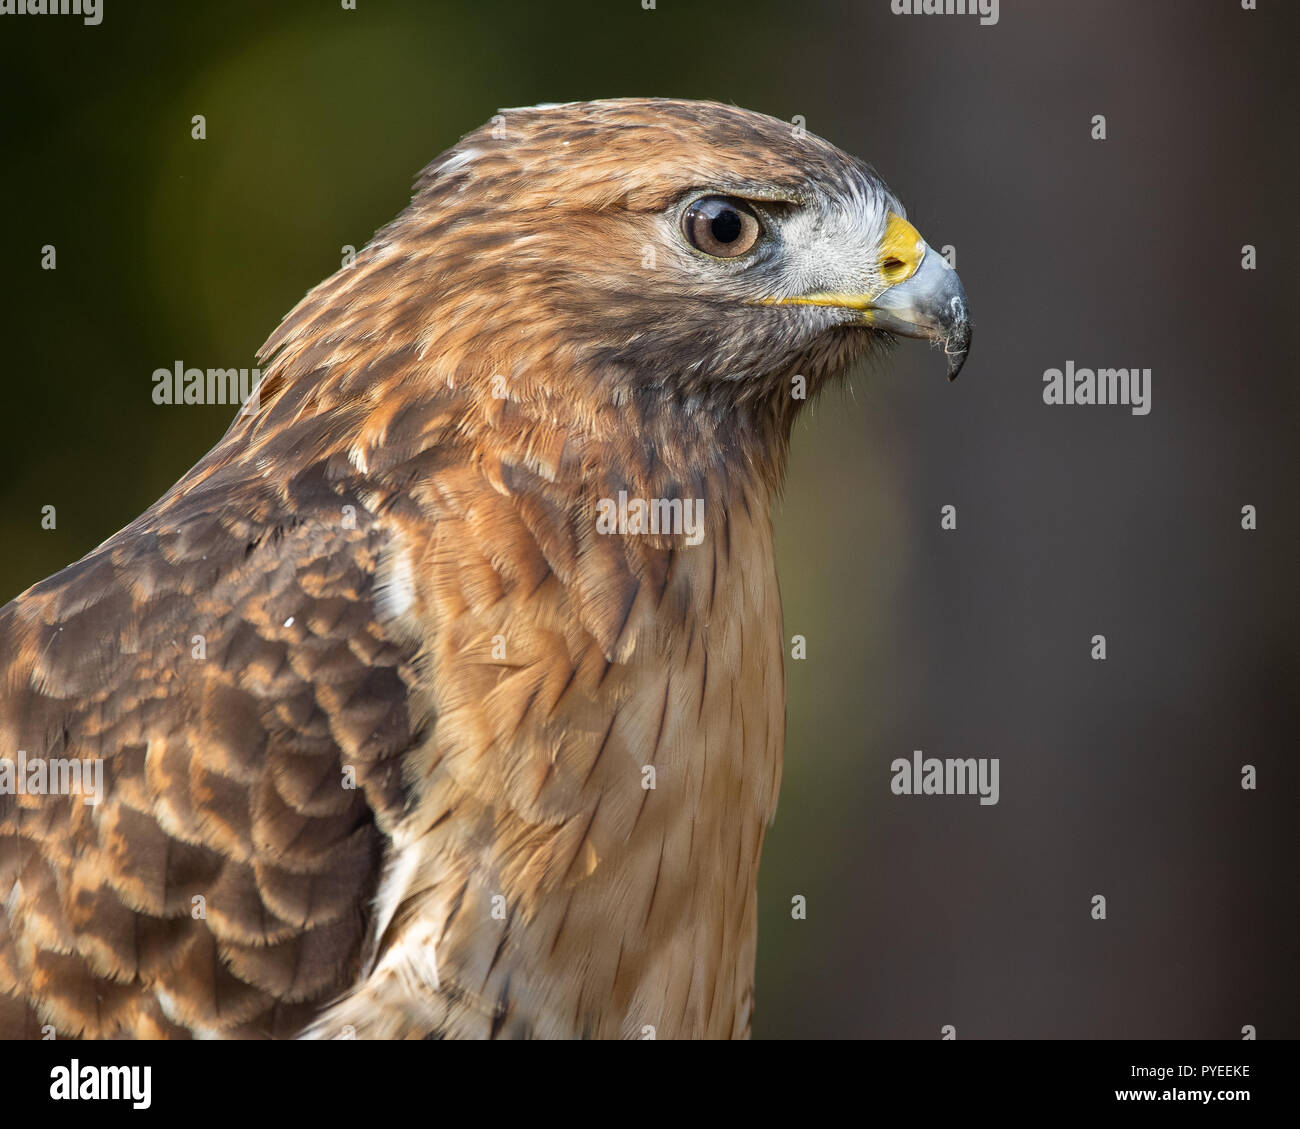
x,y
721,226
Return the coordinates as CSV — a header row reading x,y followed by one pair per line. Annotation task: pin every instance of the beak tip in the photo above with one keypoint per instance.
x,y
958,349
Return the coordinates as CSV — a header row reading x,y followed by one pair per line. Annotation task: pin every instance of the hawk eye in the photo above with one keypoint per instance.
x,y
721,226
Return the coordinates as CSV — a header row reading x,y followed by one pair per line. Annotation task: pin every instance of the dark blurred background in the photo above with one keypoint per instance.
x,y
1120,777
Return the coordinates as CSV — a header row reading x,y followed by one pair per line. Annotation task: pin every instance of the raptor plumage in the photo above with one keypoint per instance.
x,y
374,695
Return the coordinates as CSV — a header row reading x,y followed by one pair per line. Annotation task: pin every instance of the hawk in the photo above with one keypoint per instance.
x,y
444,696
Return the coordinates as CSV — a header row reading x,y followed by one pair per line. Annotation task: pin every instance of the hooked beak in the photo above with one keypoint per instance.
x,y
922,296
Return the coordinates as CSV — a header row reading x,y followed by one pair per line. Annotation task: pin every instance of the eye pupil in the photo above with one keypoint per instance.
x,y
726,226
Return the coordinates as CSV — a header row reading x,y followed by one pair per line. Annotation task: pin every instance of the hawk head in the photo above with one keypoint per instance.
x,y
684,261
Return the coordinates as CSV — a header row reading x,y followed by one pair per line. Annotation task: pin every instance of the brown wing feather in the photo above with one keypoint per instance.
x,y
222,658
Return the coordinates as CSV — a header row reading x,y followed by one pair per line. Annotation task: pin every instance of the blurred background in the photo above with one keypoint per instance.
x,y
1119,778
